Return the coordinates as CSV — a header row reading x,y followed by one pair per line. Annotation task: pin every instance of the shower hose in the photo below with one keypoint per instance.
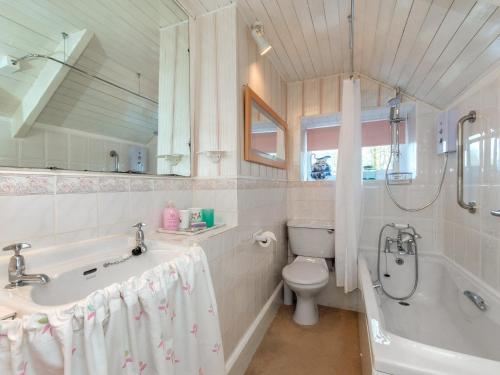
x,y
415,283
400,206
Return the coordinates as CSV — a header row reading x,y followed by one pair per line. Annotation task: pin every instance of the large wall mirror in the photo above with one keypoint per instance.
x,y
265,132
100,86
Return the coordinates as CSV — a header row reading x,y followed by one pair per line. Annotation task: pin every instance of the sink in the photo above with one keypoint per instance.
x,y
76,284
78,270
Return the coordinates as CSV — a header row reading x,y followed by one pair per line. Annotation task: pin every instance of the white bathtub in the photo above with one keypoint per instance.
x,y
440,332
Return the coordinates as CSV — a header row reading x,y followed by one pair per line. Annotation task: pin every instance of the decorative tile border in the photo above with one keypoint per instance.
x,y
252,183
75,185
12,183
26,184
44,184
167,184
311,184
114,184
215,183
140,184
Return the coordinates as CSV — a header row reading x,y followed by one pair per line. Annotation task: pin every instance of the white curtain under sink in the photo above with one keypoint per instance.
x,y
349,189
162,322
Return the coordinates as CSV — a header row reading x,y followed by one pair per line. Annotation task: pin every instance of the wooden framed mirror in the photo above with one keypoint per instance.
x,y
265,132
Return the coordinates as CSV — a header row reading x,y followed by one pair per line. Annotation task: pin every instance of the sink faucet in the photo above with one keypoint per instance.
x,y
140,246
17,266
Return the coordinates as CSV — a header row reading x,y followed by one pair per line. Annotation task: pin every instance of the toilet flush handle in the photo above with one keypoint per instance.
x,y
331,230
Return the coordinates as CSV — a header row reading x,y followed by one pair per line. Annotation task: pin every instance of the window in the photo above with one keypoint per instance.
x,y
321,149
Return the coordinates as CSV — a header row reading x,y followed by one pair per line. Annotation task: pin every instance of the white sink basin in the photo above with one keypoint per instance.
x,y
77,270
76,284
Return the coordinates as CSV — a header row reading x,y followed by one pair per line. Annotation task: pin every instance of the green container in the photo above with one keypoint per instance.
x,y
208,216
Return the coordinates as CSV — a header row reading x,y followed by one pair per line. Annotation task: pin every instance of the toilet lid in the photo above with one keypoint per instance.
x,y
305,273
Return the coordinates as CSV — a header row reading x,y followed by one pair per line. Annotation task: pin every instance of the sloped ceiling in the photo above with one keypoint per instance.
x,y
431,49
125,43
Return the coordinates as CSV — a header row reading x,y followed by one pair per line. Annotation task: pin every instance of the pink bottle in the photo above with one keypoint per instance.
x,y
171,219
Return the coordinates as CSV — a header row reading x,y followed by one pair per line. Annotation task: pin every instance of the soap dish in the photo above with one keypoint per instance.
x,y
189,232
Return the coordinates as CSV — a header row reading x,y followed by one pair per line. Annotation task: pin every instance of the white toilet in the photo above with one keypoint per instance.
x,y
312,241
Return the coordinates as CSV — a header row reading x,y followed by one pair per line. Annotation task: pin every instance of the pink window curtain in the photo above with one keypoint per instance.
x,y
374,133
348,202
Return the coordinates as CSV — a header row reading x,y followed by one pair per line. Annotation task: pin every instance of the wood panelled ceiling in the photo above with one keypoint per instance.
x,y
432,49
126,42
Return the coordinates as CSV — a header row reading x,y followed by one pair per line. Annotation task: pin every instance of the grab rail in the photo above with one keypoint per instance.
x,y
471,206
495,212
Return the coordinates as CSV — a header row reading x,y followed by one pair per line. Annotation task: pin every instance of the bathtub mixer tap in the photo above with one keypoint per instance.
x,y
17,266
406,244
405,241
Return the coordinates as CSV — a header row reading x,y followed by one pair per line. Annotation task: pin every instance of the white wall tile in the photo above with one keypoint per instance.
x,y
113,208
24,218
76,212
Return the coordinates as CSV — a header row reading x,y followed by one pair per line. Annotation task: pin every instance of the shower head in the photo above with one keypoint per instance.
x,y
394,105
394,102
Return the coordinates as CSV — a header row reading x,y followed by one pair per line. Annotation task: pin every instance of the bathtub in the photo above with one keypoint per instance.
x,y
439,332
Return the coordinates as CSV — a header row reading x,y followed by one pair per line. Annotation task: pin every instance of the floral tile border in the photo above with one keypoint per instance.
x,y
27,184
72,185
173,184
44,184
311,183
140,184
215,183
244,183
114,184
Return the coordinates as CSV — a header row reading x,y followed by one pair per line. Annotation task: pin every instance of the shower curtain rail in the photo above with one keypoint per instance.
x,y
84,72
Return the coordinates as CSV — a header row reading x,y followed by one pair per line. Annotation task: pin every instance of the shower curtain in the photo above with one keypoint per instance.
x,y
348,193
162,322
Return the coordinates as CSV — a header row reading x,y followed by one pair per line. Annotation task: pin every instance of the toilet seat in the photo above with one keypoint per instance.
x,y
306,271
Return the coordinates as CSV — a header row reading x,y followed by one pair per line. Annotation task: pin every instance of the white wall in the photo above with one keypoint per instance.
x,y
245,275
473,240
262,77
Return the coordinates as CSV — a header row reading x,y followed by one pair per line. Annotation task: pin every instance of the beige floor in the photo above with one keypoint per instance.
x,y
329,347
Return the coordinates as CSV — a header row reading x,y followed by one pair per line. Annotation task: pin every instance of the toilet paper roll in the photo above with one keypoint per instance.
x,y
265,239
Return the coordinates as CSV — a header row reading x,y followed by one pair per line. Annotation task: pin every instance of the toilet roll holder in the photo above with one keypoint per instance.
x,y
264,238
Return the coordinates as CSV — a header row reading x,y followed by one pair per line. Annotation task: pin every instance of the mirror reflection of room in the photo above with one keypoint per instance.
x,y
80,92
267,137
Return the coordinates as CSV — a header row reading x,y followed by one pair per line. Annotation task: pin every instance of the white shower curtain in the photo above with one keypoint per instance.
x,y
349,193
163,322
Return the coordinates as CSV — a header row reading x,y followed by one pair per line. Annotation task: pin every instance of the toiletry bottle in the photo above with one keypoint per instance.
x,y
171,217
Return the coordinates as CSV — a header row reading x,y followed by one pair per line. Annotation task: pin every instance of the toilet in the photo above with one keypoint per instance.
x,y
312,241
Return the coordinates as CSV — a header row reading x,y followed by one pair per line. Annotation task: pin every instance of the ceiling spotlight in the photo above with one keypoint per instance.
x,y
258,35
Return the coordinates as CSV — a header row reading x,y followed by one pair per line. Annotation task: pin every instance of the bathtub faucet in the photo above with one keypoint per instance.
x,y
406,243
405,240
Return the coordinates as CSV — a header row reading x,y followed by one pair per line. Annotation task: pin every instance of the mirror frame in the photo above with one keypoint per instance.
x,y
250,154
